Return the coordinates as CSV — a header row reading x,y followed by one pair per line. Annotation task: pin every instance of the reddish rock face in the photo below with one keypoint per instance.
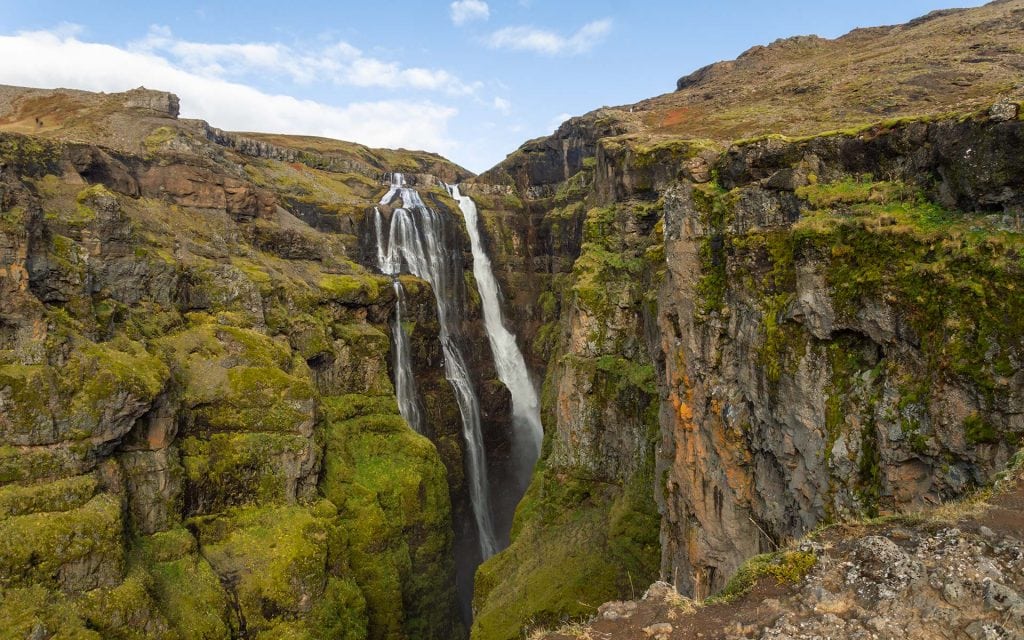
x,y
191,186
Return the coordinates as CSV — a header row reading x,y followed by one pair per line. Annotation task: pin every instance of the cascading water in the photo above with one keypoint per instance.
x,y
405,381
508,359
416,243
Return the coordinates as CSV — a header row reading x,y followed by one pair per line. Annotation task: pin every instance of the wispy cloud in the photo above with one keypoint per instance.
x,y
463,11
502,105
60,59
339,62
525,38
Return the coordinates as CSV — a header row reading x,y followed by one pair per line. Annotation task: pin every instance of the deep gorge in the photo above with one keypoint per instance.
x,y
268,386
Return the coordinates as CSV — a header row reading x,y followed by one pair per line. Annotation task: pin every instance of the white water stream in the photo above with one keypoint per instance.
x,y
417,244
508,359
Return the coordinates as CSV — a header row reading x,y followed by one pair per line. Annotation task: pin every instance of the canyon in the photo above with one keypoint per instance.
x,y
722,341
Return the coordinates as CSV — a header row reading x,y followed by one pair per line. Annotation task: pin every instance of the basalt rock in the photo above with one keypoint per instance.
x,y
195,396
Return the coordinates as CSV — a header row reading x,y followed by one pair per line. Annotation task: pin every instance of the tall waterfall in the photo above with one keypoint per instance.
x,y
416,243
405,382
508,359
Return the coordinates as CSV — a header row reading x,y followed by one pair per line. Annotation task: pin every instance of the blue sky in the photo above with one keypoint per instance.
x,y
471,79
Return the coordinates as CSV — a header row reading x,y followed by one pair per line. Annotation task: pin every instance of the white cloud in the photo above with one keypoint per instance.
x,y
549,42
463,11
502,105
60,59
340,63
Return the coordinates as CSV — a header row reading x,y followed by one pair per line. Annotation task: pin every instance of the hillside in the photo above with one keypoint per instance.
x,y
781,297
195,397
776,319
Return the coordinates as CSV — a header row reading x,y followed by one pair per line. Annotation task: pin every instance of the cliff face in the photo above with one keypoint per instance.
x,y
199,432
738,341
836,344
827,328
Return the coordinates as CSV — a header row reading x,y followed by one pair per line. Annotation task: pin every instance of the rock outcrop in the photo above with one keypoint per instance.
x,y
826,326
198,431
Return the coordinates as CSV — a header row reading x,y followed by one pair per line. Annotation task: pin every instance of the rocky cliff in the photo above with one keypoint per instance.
x,y
782,300
761,335
199,431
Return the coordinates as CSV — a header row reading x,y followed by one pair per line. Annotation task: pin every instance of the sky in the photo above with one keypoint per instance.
x,y
469,79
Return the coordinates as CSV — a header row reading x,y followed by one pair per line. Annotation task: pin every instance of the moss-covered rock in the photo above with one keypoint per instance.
x,y
125,612
237,379
394,517
231,469
59,495
35,612
185,587
275,559
75,550
576,543
96,396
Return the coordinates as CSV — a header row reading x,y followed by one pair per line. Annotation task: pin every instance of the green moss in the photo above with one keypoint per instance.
x,y
49,405
309,336
716,208
25,611
167,546
158,138
254,271
605,266
341,408
30,155
979,431
394,516
107,371
341,613
35,548
786,567
852,191
59,495
230,469
628,373
13,220
261,399
278,556
86,199
869,466
352,289
669,152
27,464
31,391
125,612
237,379
548,305
845,364
190,596
546,340
576,544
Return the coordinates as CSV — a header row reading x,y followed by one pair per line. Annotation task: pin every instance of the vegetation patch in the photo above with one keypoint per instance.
x,y
786,567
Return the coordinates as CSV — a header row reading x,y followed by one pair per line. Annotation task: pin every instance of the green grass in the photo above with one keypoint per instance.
x,y
786,567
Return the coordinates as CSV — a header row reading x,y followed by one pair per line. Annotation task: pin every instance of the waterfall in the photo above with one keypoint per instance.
x,y
508,359
417,243
405,381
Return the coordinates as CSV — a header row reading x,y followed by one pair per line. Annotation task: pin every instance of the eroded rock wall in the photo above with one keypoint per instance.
x,y
837,344
199,432
828,329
